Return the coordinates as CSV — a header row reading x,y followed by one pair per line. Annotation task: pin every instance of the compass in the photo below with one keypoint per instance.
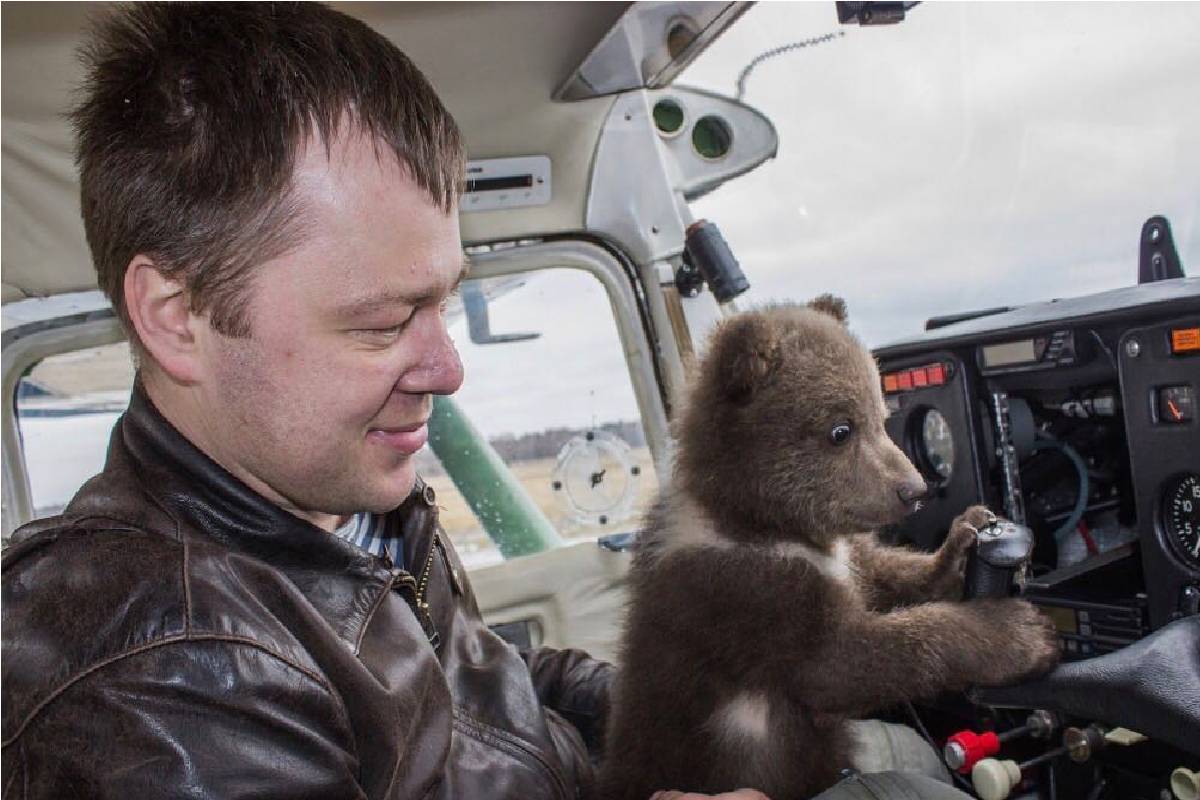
x,y
596,479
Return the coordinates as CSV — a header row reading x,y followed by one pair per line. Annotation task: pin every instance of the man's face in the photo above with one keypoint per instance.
x,y
322,407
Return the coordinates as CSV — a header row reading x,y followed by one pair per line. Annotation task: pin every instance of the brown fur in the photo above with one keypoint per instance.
x,y
748,642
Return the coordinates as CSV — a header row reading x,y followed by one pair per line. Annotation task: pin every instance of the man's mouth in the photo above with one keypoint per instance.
x,y
405,439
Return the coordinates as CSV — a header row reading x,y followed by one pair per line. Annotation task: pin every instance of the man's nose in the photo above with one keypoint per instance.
x,y
439,369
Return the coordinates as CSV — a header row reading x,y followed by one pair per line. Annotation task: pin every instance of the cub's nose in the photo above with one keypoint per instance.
x,y
912,492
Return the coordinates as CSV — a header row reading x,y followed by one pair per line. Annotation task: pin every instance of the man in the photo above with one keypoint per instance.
x,y
269,194
253,597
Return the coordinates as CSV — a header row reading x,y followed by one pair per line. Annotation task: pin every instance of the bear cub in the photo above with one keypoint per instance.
x,y
763,612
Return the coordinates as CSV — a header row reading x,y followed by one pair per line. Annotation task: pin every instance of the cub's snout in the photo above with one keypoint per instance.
x,y
911,493
891,487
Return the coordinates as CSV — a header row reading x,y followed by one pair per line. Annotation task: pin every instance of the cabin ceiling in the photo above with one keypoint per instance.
x,y
495,65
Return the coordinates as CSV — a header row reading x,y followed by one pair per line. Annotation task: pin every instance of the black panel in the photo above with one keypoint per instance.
x,y
1159,451
927,527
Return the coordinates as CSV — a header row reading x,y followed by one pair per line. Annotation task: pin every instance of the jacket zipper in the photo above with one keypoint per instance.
x,y
422,588
423,584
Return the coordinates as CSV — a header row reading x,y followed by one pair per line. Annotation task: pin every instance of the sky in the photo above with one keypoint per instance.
x,y
976,154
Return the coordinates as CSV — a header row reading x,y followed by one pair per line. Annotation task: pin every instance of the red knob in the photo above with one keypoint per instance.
x,y
965,749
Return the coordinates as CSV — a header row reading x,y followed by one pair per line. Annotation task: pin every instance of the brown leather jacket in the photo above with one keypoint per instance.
x,y
175,634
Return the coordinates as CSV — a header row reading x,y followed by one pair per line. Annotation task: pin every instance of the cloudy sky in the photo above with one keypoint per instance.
x,y
974,155
977,154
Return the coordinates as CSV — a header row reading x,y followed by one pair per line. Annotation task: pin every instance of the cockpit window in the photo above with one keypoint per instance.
x,y
971,156
66,407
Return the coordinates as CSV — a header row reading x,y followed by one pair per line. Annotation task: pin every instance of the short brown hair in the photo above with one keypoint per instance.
x,y
189,125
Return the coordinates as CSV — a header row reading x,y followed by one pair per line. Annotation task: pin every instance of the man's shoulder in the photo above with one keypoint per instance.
x,y
81,596
73,580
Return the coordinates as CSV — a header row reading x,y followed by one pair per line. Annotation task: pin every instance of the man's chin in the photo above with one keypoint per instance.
x,y
392,489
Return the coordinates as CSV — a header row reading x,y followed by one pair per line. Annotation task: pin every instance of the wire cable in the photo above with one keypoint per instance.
x,y
1081,469
778,51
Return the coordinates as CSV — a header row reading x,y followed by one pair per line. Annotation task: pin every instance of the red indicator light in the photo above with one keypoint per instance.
x,y
936,374
904,379
918,378
890,382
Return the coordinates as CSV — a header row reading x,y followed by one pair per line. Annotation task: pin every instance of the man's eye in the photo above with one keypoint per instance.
x,y
384,335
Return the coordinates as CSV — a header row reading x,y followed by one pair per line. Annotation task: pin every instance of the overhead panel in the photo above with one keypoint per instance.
x,y
648,47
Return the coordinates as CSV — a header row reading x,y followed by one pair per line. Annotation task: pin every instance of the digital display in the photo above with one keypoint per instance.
x,y
1063,618
499,184
1009,353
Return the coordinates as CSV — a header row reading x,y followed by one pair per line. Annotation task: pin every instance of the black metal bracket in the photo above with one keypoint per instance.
x,y
1158,260
872,13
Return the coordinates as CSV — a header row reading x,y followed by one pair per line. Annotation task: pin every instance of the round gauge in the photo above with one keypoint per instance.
x,y
935,445
1181,514
596,479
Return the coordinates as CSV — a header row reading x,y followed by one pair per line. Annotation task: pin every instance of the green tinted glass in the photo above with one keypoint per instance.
x,y
668,116
711,137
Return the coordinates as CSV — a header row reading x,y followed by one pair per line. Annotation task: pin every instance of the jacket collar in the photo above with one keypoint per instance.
x,y
153,476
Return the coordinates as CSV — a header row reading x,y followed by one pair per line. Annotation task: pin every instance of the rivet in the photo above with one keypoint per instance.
x,y
1133,348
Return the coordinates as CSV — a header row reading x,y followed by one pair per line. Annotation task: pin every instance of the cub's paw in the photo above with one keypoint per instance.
x,y
953,554
973,519
1022,642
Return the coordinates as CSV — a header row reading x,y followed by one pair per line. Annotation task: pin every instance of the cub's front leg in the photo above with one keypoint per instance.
x,y
893,577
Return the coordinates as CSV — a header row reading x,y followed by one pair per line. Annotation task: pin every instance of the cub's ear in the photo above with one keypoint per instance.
x,y
828,304
746,352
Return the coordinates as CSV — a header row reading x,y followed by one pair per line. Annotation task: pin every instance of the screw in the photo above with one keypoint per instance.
x,y
1156,259
1133,348
1155,233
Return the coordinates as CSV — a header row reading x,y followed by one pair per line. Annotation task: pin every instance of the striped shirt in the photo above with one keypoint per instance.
x,y
378,534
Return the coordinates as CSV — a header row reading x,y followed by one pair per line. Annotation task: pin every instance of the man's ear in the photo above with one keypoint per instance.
x,y
747,352
160,310
831,305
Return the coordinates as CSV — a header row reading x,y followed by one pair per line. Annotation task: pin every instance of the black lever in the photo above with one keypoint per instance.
x,y
996,566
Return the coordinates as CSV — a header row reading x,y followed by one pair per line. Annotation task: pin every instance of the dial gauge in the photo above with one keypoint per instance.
x,y
936,445
1181,515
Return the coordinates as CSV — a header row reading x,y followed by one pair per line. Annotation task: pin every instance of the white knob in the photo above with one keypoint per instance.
x,y
1185,784
993,779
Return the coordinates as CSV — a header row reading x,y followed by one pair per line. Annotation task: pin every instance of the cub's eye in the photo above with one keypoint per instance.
x,y
840,433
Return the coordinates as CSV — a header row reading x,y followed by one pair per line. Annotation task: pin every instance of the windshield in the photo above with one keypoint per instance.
x,y
973,156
